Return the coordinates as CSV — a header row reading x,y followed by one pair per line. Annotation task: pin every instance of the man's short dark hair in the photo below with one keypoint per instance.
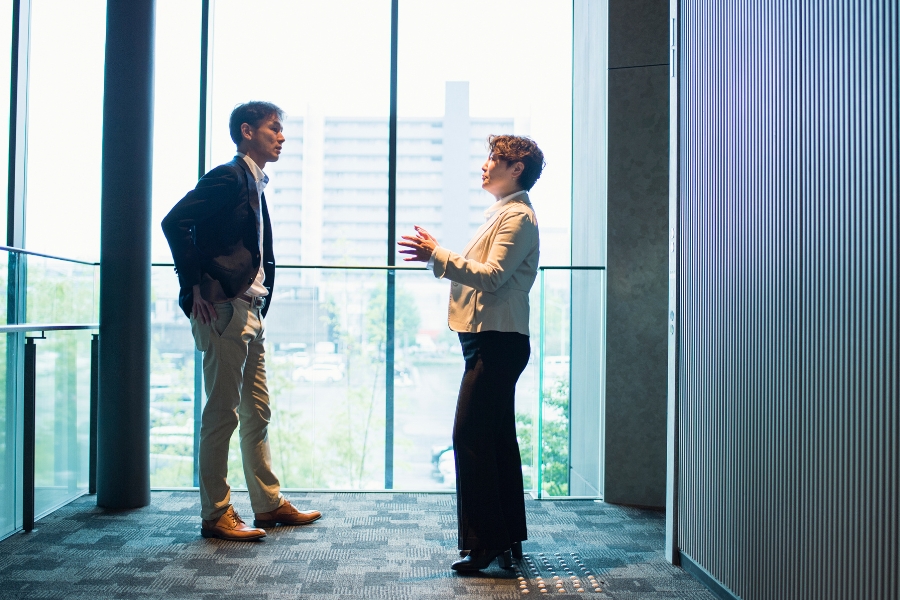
x,y
512,149
254,113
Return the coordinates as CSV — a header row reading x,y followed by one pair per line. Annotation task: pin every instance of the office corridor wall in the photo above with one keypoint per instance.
x,y
789,322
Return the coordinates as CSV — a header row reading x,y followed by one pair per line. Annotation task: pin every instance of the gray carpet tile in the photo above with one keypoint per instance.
x,y
367,545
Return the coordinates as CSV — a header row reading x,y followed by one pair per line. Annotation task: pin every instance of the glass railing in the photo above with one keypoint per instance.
x,y
51,315
62,418
346,415
554,429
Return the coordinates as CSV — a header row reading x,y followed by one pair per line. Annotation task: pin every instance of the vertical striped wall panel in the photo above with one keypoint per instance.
x,y
789,319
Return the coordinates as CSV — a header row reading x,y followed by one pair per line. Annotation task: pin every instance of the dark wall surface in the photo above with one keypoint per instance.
x,y
637,252
789,338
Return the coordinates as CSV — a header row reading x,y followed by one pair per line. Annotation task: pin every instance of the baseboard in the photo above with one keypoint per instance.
x,y
704,577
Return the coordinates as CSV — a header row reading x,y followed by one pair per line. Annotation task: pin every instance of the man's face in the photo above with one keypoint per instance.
x,y
263,143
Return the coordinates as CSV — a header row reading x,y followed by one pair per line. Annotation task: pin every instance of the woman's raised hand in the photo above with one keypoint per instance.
x,y
419,247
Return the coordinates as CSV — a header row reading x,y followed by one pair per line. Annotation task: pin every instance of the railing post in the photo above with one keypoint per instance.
x,y
389,381
539,418
95,393
29,439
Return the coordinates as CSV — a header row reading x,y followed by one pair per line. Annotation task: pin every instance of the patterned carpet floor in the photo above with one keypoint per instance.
x,y
367,545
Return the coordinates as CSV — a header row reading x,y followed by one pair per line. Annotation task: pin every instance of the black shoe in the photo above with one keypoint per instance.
x,y
477,560
516,549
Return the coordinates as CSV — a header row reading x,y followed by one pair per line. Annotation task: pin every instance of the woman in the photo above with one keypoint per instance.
x,y
489,309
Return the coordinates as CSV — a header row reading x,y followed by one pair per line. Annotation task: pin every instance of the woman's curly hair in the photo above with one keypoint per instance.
x,y
514,148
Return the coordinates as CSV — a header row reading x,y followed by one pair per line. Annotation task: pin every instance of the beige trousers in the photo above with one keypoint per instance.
x,y
234,374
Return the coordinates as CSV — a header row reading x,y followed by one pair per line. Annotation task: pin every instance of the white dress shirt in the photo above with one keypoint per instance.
x,y
258,289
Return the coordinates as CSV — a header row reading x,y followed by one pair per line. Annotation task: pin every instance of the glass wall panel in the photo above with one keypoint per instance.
x,y
62,414
173,389
172,385
554,326
495,67
64,127
6,9
325,364
176,109
428,368
7,402
60,291
327,64
325,368
7,445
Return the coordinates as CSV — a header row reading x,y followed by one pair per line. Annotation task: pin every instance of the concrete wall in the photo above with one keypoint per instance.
x,y
620,219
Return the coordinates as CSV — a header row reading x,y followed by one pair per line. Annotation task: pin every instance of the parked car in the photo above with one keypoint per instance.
x,y
319,373
443,469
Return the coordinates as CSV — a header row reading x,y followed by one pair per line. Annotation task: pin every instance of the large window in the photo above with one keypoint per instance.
x,y
176,138
332,375
501,67
496,67
7,404
362,368
64,127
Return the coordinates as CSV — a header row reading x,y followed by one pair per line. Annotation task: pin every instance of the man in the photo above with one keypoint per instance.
x,y
221,241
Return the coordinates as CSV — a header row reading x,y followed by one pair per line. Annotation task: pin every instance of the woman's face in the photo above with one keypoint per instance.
x,y
499,177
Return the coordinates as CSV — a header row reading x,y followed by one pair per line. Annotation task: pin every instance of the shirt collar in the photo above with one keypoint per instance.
x,y
490,212
258,173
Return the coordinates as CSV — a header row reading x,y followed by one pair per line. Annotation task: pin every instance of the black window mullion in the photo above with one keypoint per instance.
x,y
391,254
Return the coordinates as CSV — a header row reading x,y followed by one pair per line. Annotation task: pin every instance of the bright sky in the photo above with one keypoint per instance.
x,y
332,56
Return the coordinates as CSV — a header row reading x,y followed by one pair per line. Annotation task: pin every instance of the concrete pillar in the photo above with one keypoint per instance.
x,y
637,252
123,461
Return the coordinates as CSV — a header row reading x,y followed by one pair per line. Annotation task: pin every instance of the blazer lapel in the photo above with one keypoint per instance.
x,y
490,223
252,190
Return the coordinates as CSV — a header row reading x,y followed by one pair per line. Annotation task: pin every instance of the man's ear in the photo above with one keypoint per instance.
x,y
246,131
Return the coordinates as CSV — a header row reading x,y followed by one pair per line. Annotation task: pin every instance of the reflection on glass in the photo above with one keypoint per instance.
x,y
62,413
65,110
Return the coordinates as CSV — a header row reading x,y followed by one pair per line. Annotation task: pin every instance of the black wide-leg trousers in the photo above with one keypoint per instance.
x,y
490,499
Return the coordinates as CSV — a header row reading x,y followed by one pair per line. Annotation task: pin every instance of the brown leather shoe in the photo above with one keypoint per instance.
x,y
286,515
230,527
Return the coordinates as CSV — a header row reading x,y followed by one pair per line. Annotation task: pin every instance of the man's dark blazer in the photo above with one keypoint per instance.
x,y
214,237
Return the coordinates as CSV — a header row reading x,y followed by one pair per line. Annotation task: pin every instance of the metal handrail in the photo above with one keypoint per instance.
x,y
63,258
29,327
339,267
405,268
572,268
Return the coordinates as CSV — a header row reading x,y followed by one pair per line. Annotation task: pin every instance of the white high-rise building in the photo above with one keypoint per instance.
x,y
329,192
